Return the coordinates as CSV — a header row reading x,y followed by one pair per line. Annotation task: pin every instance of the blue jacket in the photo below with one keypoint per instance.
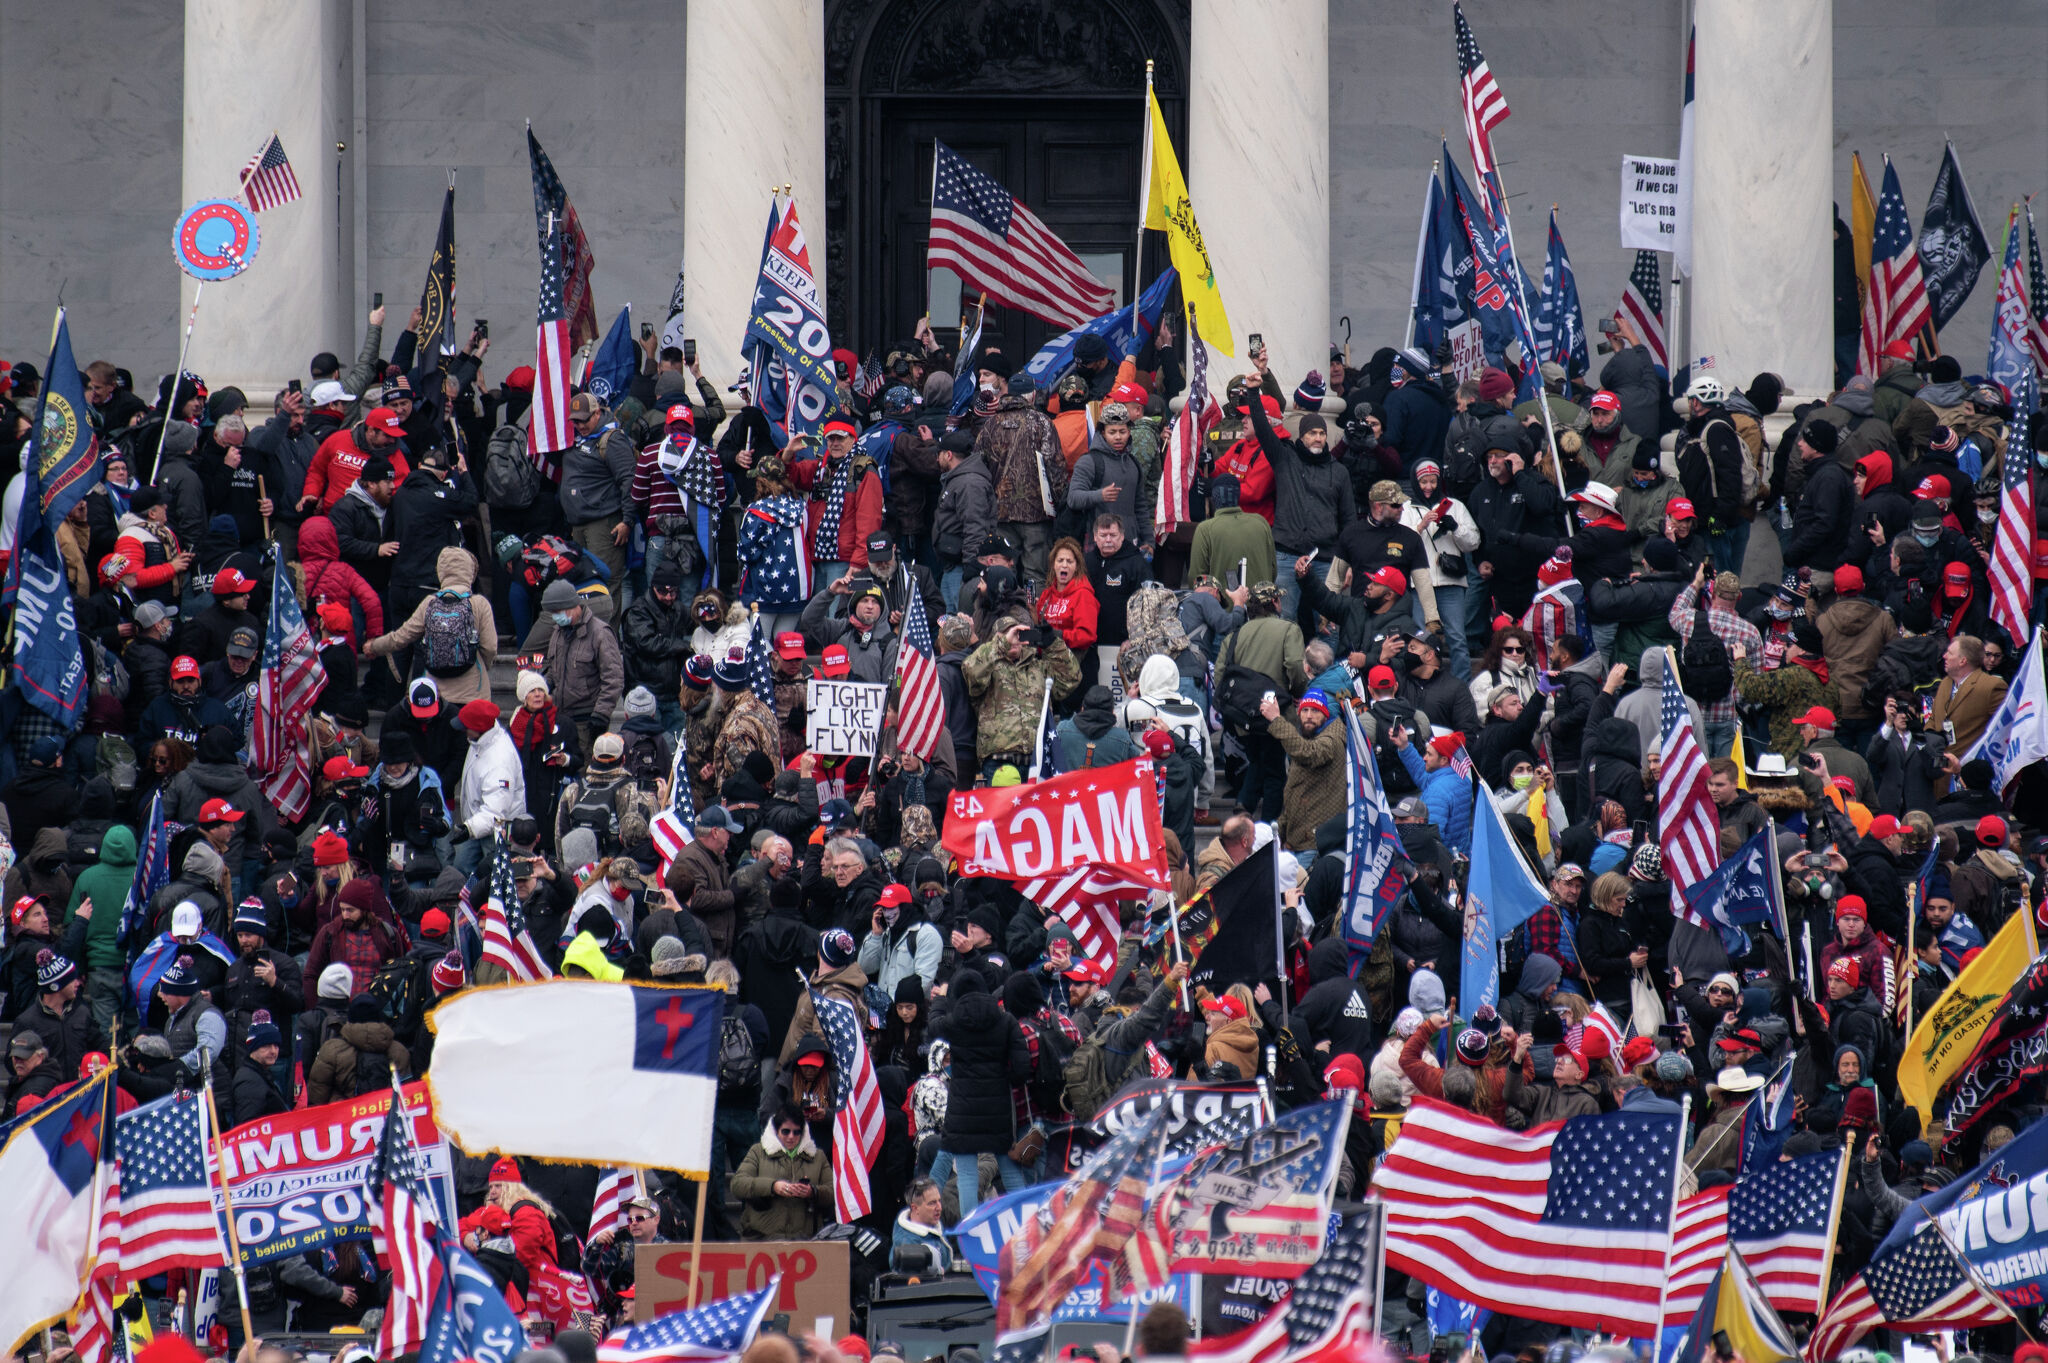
x,y
1449,797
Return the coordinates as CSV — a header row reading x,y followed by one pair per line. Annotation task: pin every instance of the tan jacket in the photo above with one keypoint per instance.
x,y
454,568
1969,707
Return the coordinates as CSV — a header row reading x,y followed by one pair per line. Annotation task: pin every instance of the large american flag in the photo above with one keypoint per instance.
x,y
1327,1314
1895,308
2012,547
2037,298
96,1326
1642,306
291,681
567,314
675,827
167,1218
1184,440
920,705
1484,106
1688,824
856,1106
1086,900
1568,1222
608,1207
401,1213
507,941
985,235
1915,1286
706,1334
1779,1215
267,181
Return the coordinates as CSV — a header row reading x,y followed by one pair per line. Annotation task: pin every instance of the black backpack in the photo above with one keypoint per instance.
x,y
372,1072
739,1065
1239,692
1704,670
597,809
511,479
404,987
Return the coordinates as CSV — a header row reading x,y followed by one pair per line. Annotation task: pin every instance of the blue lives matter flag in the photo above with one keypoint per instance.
x,y
721,1330
1114,327
616,361
1376,867
1560,326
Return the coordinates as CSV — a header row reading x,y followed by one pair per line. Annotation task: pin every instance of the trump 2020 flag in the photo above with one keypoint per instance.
x,y
1504,894
47,1163
630,1072
1375,866
1738,893
1560,325
786,339
2018,734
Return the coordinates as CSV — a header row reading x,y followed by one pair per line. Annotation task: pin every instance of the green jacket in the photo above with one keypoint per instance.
x,y
106,885
1007,696
1315,779
1270,645
765,1214
1786,693
1230,534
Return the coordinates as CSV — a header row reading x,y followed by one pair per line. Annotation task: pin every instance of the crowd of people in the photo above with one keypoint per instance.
x,y
1388,537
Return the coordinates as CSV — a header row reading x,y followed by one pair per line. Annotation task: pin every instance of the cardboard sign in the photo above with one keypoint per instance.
x,y
1468,351
1649,203
843,718
816,1278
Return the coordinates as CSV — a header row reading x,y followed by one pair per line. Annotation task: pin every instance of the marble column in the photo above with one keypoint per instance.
x,y
252,69
755,120
1762,294
1258,168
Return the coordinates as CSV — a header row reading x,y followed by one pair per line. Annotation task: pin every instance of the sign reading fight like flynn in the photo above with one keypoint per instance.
x,y
816,1278
1649,203
1098,816
843,718
298,1179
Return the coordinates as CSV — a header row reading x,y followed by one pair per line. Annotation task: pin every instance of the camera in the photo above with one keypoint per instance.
x,y
1609,327
887,768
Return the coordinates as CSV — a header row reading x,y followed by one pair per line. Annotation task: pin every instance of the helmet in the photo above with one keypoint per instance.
x,y
898,399
1708,389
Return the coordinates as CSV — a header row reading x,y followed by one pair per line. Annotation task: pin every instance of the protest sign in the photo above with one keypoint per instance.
x,y
1649,203
299,1180
843,718
1468,351
816,1278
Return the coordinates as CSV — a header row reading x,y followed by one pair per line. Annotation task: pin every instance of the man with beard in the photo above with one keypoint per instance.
x,y
261,976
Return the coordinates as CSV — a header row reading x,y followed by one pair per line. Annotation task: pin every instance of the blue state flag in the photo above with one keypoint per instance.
x,y
47,1163
66,449
1375,864
48,665
1504,894
616,361
1056,356
468,1319
1442,291
1560,326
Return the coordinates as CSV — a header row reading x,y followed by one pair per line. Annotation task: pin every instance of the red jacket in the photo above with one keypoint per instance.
x,y
1246,462
339,463
135,548
861,516
1072,611
328,578
526,1225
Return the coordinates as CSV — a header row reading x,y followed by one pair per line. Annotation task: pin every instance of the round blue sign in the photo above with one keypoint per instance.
x,y
215,239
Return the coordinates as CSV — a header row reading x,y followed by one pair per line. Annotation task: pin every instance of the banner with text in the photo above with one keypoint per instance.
x,y
1649,203
843,718
1098,816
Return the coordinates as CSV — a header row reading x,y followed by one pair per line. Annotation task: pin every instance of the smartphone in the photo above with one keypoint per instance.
x,y
646,330
1810,761
1256,343
376,300
1608,326
483,326
1673,1030
1641,831
689,350
293,387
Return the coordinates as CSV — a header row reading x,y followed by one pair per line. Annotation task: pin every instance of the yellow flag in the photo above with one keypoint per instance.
x,y
1862,220
1756,1333
1168,209
1741,762
1943,1040
1539,815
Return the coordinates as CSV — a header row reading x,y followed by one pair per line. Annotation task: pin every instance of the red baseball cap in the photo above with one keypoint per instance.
x,y
1128,393
1390,577
1898,350
1882,827
681,415
1848,580
1381,676
219,811
893,895
789,644
1604,401
521,379
839,428
1086,969
1820,717
385,420
835,663
231,582
339,768
1991,831
1933,485
1681,509
184,666
1228,1005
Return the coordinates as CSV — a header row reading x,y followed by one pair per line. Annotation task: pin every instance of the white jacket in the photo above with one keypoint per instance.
x,y
1463,540
493,784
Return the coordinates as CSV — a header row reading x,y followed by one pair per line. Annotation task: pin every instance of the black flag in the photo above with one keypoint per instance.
x,y
437,299
1952,247
1245,948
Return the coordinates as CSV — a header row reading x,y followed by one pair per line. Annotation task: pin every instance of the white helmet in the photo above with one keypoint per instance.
x,y
1708,389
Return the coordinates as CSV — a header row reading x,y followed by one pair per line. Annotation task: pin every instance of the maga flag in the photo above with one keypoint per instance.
x,y
1098,816
1946,1033
1376,866
1169,210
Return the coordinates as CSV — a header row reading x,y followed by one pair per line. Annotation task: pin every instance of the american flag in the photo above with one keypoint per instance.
x,y
1086,900
1916,1286
291,681
507,942
1780,1216
1568,1222
707,1334
1040,1264
608,1207
867,380
152,873
985,235
1045,759
96,1327
402,1211
2012,547
761,662
1184,440
567,315
2037,298
1485,108
1327,1314
267,181
1688,824
1642,306
920,705
856,1106
1461,761
1896,307
167,1218
675,827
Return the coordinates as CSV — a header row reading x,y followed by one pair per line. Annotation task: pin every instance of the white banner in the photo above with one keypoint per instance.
x,y
1468,351
1649,203
843,719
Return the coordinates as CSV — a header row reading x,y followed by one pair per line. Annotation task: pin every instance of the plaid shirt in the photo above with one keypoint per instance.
x,y
1730,628
1546,935
1020,1096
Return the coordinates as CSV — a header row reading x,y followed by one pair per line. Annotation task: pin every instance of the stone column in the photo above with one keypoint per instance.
x,y
1258,168
1762,293
755,120
250,70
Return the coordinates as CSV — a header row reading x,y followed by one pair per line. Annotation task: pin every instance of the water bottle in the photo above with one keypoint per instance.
x,y
1784,514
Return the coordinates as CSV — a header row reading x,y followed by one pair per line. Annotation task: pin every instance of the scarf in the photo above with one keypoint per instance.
x,y
1817,666
1954,621
530,726
834,497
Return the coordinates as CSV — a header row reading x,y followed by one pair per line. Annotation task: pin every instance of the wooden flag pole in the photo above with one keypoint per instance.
x,y
170,403
697,1235
228,1203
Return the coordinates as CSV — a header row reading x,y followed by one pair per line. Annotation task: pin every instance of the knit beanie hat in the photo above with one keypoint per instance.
x,y
1472,1046
523,684
640,703
337,982
836,948
667,957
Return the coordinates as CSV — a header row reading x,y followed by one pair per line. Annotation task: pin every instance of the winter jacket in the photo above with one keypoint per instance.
x,y
339,463
597,476
871,653
584,669
1854,632
712,899
1526,502
1312,493
1315,777
426,520
493,786
860,514
910,948
966,514
1072,610
1418,417
1821,524
1022,451
769,955
656,642
185,494
1547,1102
774,555
1099,468
990,1057
360,527
1631,375
1230,535
333,1074
1448,796
1008,696
1641,608
846,983
1115,579
1268,645
327,578
1092,738
764,1213
106,885
456,569
1710,468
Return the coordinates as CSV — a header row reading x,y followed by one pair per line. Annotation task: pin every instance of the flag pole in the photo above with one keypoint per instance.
x,y
1421,244
170,402
1671,1214
1827,1258
1158,1162
1138,255
228,1202
697,1237
1507,222
1279,926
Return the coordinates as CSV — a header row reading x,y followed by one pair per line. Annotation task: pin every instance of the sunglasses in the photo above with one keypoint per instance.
x,y
1515,650
639,1220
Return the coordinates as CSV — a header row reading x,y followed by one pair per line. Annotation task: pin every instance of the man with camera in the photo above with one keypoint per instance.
x,y
1006,679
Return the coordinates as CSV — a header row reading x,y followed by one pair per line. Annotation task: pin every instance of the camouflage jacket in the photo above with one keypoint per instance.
x,y
1786,692
1019,444
748,727
1008,696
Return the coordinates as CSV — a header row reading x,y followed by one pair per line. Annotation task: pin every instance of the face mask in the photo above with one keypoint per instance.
x,y
1927,541
1521,780
890,915
622,893
561,619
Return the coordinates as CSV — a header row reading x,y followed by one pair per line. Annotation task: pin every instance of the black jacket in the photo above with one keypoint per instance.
x,y
656,642
358,532
1904,774
1115,579
1604,948
1446,700
1611,766
1710,467
1335,1008
989,1056
426,517
769,954
68,1038
1527,502
1822,522
1312,495
251,1093
1598,551
1875,873
1499,737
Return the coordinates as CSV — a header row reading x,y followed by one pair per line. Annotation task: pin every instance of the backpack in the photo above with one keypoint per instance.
x,y
116,761
510,477
739,1066
1239,692
644,759
1048,1085
596,809
372,1073
1704,671
1085,1079
448,640
568,1249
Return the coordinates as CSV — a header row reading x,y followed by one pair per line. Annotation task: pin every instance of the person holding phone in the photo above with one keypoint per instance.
x,y
785,1183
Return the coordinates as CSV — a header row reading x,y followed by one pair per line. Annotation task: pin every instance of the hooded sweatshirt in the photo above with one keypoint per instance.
x,y
327,578
106,885
457,572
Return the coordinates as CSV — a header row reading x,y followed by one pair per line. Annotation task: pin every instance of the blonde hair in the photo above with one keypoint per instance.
x,y
348,873
1243,994
725,975
513,1194
1612,885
